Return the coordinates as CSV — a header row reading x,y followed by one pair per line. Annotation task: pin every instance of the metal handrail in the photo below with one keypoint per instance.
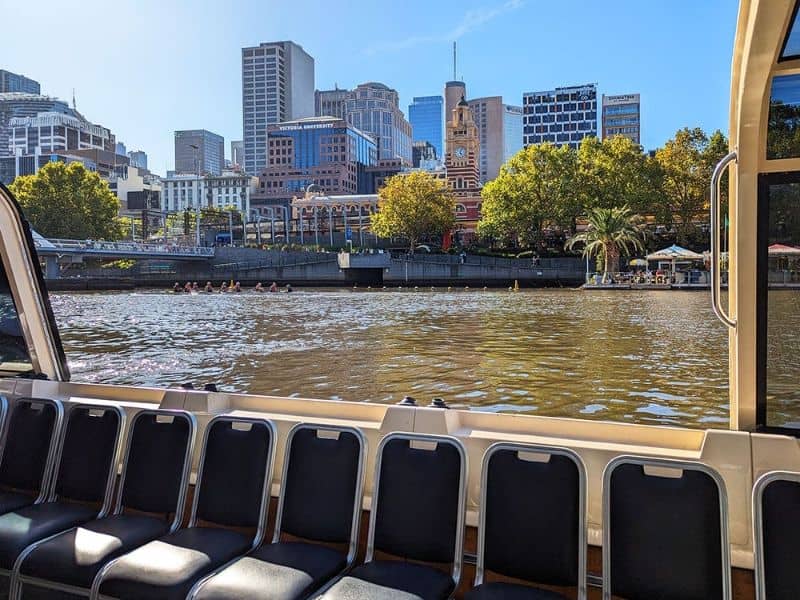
x,y
716,177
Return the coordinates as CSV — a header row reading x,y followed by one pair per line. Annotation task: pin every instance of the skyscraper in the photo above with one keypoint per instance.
x,y
512,130
622,116
277,86
499,131
11,82
454,91
237,152
138,159
374,108
560,116
20,104
331,103
195,145
427,121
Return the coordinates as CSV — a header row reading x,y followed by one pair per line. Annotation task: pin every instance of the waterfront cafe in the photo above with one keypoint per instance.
x,y
784,264
677,265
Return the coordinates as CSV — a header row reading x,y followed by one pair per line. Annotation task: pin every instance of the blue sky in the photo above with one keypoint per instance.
x,y
147,68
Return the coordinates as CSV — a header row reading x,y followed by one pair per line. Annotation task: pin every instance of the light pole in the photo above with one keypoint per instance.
x,y
197,162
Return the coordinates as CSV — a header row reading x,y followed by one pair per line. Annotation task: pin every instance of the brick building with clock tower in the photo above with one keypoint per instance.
x,y
462,153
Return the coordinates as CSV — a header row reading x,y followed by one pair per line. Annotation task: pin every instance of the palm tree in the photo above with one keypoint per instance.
x,y
611,232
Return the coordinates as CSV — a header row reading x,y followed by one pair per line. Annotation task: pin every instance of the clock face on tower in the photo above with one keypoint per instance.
x,y
461,152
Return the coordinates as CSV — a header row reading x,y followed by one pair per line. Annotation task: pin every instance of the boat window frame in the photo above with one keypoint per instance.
x,y
765,180
792,22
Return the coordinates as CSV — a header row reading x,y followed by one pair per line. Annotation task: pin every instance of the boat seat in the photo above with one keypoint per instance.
x,y
776,498
86,466
664,530
531,493
320,502
28,451
283,570
498,590
417,514
232,491
152,487
392,580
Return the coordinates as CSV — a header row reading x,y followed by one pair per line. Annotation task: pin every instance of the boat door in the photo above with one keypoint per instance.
x,y
763,308
29,342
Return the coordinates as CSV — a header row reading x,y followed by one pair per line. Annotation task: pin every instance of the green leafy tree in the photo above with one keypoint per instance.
x,y
413,206
535,188
611,232
615,172
686,163
68,201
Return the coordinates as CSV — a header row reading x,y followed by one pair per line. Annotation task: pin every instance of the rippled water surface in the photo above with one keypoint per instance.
x,y
647,357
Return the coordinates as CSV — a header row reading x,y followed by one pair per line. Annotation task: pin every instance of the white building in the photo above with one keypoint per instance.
x,y
50,132
182,190
277,86
512,130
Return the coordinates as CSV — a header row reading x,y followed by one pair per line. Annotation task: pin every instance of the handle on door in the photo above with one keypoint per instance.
x,y
716,287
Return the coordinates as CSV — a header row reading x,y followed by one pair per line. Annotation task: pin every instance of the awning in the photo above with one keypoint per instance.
x,y
783,250
675,253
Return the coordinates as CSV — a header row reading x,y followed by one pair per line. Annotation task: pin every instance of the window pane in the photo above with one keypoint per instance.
x,y
13,349
792,47
783,131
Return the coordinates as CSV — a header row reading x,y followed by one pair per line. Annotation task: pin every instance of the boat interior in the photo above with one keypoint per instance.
x,y
132,492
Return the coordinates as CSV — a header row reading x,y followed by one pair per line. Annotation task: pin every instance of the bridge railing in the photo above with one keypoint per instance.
x,y
93,246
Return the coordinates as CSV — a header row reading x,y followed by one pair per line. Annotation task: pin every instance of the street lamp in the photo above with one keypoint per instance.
x,y
197,162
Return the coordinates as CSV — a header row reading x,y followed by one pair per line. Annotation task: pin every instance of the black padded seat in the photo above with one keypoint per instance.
x,y
13,500
20,528
393,580
498,590
82,491
166,568
776,498
231,490
76,556
275,571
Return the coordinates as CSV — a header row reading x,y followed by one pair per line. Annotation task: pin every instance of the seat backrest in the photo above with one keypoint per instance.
x,y
665,527
235,473
322,484
530,494
418,506
88,454
31,440
157,462
776,519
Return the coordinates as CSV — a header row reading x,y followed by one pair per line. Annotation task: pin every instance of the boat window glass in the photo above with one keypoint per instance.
x,y
779,301
783,129
13,349
791,46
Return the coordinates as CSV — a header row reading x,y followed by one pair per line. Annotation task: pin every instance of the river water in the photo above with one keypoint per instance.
x,y
655,357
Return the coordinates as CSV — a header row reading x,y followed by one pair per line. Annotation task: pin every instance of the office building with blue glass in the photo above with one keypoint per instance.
x,y
322,151
427,121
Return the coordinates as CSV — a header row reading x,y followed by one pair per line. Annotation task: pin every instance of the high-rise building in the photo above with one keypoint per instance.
x,y
20,104
622,116
138,159
427,121
11,82
374,108
424,155
323,151
195,145
331,103
277,86
563,116
237,152
121,149
51,132
454,91
512,130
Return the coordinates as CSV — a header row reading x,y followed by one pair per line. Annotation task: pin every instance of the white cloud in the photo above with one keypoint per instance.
x,y
470,21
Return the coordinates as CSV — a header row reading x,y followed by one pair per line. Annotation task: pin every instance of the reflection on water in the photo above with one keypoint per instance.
x,y
783,348
645,357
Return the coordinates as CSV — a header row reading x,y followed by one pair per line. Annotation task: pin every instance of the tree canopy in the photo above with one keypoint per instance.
x,y
412,206
68,201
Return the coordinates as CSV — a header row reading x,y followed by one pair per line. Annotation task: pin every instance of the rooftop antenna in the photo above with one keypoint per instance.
x,y
455,78
74,107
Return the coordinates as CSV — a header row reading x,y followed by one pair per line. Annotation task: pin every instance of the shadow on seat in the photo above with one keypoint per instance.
x,y
776,521
232,491
531,494
665,531
417,514
319,507
152,488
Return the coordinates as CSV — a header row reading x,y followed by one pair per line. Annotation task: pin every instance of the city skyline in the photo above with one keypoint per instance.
x,y
188,84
